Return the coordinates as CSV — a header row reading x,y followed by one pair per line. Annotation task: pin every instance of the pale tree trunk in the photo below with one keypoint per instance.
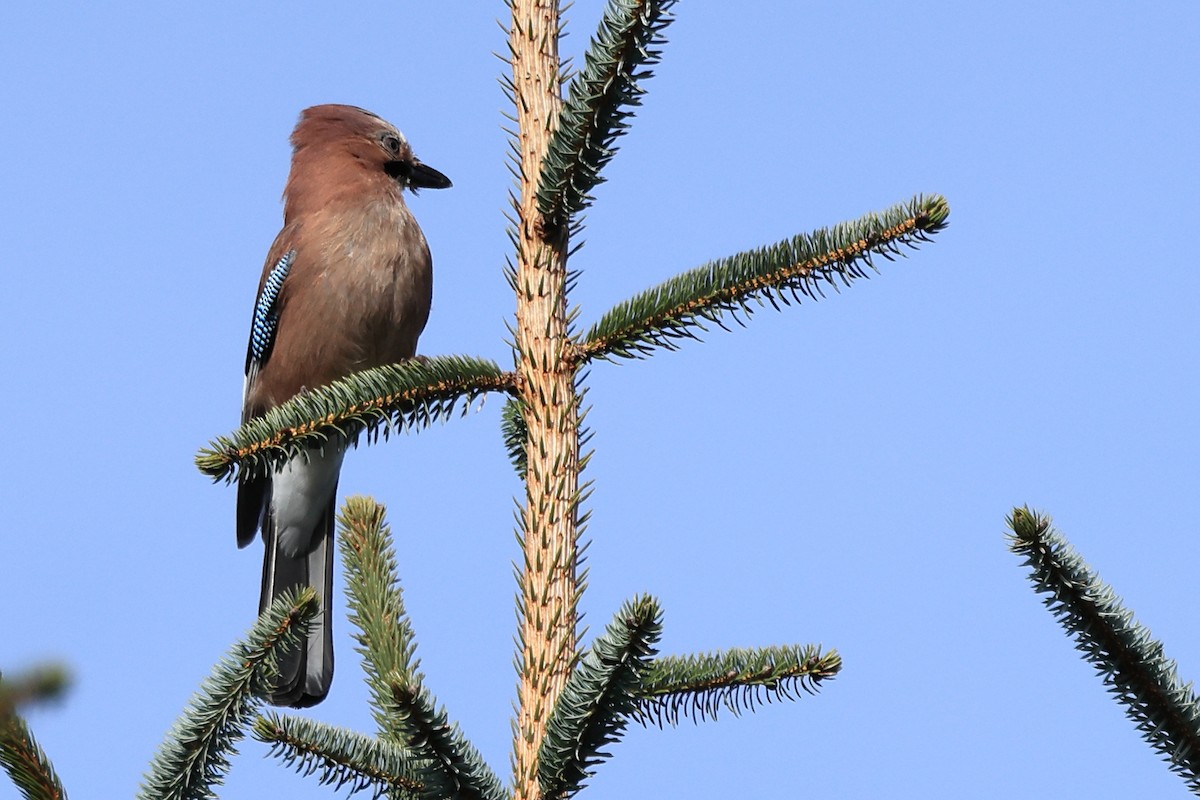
x,y
550,585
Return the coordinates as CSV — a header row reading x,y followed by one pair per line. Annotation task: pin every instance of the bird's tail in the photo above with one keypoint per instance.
x,y
299,531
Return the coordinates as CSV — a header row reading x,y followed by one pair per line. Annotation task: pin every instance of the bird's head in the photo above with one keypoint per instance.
x,y
338,143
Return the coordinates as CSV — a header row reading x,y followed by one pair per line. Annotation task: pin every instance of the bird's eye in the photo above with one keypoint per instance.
x,y
391,143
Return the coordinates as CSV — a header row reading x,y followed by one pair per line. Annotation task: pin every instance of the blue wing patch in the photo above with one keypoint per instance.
x,y
266,310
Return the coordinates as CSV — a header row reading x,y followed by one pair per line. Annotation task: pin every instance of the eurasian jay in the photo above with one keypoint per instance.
x,y
347,285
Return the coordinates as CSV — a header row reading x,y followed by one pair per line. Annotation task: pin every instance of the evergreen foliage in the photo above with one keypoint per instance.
x,y
385,638
1128,658
595,705
195,755
515,432
599,101
456,769
339,757
20,754
411,395
779,275
445,763
43,683
25,762
698,686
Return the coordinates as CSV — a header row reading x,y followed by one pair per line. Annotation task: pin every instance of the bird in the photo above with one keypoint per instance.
x,y
347,285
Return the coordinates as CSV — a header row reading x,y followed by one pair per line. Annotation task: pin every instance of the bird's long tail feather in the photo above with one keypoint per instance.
x,y
299,531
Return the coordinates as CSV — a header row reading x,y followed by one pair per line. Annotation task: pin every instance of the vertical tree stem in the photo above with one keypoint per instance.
x,y
549,581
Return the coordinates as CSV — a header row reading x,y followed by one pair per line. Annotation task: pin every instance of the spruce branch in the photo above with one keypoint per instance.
x,y
408,717
599,102
456,769
598,699
20,754
515,434
25,761
46,682
337,756
412,394
195,754
376,601
698,686
1125,654
778,274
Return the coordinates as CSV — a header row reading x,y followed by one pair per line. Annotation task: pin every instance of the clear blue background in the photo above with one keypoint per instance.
x,y
837,473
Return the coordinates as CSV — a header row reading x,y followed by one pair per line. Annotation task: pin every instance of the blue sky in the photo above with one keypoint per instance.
x,y
837,473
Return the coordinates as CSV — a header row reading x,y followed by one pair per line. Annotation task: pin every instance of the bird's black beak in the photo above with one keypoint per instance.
x,y
421,176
